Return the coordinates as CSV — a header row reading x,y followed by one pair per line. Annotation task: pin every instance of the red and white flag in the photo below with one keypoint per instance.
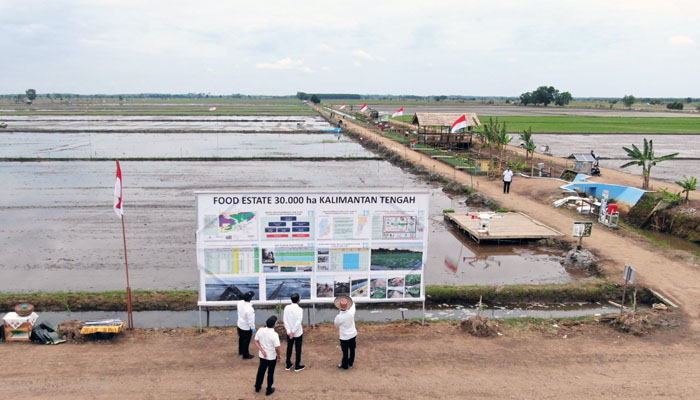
x,y
118,193
212,108
364,108
398,112
459,124
342,106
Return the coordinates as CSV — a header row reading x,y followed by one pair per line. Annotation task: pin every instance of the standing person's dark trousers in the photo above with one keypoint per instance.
x,y
294,342
348,346
506,187
244,342
268,365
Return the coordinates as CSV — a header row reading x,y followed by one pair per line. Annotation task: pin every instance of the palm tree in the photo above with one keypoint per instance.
x,y
529,144
502,139
688,184
646,159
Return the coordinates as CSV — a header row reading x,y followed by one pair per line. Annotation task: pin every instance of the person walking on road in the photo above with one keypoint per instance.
x,y
507,179
246,325
267,340
293,315
345,321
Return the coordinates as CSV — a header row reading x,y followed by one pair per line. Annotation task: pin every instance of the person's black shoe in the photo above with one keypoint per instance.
x,y
288,367
248,357
300,368
350,366
341,366
269,391
257,390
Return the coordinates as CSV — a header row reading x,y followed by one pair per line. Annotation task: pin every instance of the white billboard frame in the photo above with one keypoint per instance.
x,y
380,203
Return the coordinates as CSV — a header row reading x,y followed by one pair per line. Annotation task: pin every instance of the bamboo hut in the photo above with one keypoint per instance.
x,y
434,129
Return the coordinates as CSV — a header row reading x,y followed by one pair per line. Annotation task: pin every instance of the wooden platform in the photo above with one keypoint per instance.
x,y
504,226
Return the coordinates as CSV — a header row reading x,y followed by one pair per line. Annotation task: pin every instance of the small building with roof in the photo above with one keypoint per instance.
x,y
434,128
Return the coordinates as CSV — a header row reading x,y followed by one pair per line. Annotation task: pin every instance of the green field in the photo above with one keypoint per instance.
x,y
576,124
396,260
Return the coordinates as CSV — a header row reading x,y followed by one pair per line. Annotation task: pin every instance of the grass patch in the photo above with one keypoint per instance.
x,y
561,124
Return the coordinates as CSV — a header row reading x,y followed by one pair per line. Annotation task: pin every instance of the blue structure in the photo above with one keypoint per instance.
x,y
620,194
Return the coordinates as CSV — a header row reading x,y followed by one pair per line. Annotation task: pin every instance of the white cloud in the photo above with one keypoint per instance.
x,y
284,63
680,40
364,55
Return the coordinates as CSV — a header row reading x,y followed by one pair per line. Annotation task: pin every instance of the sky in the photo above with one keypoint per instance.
x,y
471,48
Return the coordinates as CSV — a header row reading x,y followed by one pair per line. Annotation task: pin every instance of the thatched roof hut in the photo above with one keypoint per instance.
x,y
443,120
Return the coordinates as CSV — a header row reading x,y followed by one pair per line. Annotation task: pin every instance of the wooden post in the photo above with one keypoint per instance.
x,y
624,291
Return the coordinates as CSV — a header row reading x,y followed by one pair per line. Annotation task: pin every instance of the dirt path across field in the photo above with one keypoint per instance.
x,y
394,361
676,278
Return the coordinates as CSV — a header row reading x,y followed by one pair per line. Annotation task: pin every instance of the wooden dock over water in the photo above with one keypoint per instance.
x,y
510,226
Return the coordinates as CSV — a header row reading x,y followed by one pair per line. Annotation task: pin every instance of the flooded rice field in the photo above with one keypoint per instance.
x,y
58,230
180,145
98,123
609,147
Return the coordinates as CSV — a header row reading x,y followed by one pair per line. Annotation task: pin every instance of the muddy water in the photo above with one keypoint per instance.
x,y
58,230
609,147
373,313
155,145
96,123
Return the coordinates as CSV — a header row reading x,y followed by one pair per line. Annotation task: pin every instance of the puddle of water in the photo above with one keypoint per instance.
x,y
184,319
673,242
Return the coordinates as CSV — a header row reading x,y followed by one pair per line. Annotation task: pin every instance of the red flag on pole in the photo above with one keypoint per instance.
x,y
342,106
118,193
363,108
459,124
212,108
398,112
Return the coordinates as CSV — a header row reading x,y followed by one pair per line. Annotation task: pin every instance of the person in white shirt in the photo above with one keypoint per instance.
x,y
267,340
246,325
507,178
345,321
293,315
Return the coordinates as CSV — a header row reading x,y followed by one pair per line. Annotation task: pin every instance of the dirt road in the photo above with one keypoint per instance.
x,y
394,361
676,278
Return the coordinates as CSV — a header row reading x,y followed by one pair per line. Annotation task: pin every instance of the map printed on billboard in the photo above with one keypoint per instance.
x,y
371,246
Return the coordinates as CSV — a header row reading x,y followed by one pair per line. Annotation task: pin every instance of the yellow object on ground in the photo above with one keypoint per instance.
x,y
86,330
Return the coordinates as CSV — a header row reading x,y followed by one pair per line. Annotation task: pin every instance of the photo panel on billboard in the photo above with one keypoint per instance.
x,y
282,287
230,287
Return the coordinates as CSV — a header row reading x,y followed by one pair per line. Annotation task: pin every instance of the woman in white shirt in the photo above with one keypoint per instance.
x,y
345,321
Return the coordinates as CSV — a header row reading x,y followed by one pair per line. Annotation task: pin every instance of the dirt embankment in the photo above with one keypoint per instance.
x,y
674,278
547,360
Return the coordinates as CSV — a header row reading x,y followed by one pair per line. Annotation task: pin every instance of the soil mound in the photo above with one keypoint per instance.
x,y
479,326
70,330
580,259
634,323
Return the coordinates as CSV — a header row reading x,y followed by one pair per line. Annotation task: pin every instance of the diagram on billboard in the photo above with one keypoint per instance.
x,y
342,257
230,288
230,226
228,260
288,258
392,226
344,225
287,227
370,245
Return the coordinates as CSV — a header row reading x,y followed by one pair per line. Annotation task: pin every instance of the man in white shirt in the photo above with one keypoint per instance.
x,y
268,343
507,178
293,315
246,325
345,321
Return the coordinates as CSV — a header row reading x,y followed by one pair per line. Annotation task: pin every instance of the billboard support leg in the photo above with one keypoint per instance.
x,y
314,321
200,319
423,320
207,317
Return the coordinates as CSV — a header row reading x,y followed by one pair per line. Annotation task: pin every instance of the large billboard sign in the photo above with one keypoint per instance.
x,y
371,246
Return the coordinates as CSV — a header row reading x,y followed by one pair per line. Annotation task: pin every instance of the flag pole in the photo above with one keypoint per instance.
x,y
129,309
130,316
